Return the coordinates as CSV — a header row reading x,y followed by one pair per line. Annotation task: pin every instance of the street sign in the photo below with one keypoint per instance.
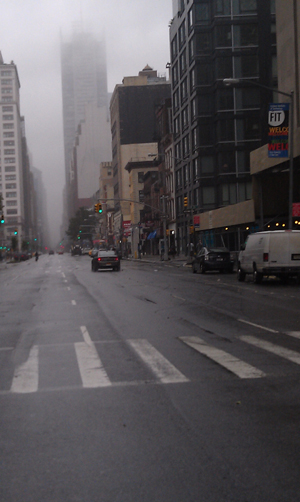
x,y
278,121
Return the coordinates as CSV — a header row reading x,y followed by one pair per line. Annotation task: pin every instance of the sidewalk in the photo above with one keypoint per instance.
x,y
178,260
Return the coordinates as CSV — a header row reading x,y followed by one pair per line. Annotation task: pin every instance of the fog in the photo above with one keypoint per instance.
x,y
136,34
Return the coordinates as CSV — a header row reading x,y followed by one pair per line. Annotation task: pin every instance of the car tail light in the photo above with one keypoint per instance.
x,y
266,257
116,259
99,259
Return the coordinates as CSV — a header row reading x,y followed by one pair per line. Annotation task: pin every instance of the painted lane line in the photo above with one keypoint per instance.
x,y
294,334
65,280
228,361
91,369
63,275
158,364
291,355
74,302
86,335
179,298
6,348
258,326
26,376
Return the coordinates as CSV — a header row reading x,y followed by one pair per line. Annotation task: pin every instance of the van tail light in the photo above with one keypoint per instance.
x,y
266,256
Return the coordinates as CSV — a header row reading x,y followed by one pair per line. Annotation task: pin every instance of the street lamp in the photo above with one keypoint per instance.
x,y
234,81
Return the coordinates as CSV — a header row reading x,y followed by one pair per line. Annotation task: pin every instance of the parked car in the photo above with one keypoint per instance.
x,y
270,253
212,259
51,251
106,259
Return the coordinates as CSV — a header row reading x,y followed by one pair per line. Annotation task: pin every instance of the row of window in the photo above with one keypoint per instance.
x,y
222,36
205,198
228,162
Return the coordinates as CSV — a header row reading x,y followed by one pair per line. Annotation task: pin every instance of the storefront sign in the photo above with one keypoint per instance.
x,y
278,130
296,209
197,221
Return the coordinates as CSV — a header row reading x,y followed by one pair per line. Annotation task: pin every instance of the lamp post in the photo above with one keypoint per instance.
x,y
234,81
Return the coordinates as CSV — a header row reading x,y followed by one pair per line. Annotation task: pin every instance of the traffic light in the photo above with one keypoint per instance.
x,y
185,201
99,208
96,208
16,231
2,219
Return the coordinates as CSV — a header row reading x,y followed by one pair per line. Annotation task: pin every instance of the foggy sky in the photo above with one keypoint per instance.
x,y
136,34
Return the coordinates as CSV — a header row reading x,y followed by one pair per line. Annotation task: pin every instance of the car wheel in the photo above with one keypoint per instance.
x,y
202,268
257,276
94,268
194,269
241,274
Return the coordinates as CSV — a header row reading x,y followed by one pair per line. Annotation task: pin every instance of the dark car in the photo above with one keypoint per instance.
x,y
105,259
51,251
212,259
76,250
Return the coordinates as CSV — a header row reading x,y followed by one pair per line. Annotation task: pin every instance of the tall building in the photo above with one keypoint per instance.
x,y
134,136
11,165
215,128
84,81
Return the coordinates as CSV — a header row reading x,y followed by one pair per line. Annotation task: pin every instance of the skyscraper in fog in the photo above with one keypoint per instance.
x,y
84,81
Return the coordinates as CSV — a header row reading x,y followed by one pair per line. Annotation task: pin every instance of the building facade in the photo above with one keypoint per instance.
x,y
134,136
84,81
215,128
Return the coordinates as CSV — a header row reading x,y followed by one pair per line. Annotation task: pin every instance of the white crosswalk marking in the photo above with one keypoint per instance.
x,y
26,376
161,367
231,363
291,355
294,334
90,366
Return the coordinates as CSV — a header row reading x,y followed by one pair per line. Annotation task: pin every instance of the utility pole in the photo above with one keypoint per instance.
x,y
163,197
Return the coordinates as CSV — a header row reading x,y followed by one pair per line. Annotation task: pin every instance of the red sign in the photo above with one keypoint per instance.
x,y
126,228
296,209
197,221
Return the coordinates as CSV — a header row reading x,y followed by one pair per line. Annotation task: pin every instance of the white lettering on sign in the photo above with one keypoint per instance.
x,y
276,118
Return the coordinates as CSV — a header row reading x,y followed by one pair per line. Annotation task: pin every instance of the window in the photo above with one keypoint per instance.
x,y
246,66
6,90
176,99
226,162
8,126
185,118
202,12
245,191
9,151
228,195
207,165
185,146
8,117
223,7
175,73
176,125
245,35
178,178
8,135
194,139
196,169
6,73
6,81
190,18
182,34
8,160
11,195
205,133
7,99
10,169
11,211
174,47
9,177
141,177
9,143
247,98
193,108
248,128
184,90
204,74
226,129
141,196
225,99
10,186
182,61
204,104
223,35
248,5
224,67
208,197
11,203
7,108
202,43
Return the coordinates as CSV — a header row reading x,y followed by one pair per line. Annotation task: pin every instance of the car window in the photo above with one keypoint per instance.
x,y
102,254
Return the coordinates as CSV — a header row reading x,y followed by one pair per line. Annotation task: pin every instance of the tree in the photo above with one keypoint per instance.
x,y
80,219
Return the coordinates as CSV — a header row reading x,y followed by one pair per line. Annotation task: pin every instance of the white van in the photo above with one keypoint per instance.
x,y
270,253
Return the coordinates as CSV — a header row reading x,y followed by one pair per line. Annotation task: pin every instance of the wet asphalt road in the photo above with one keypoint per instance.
x,y
151,384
